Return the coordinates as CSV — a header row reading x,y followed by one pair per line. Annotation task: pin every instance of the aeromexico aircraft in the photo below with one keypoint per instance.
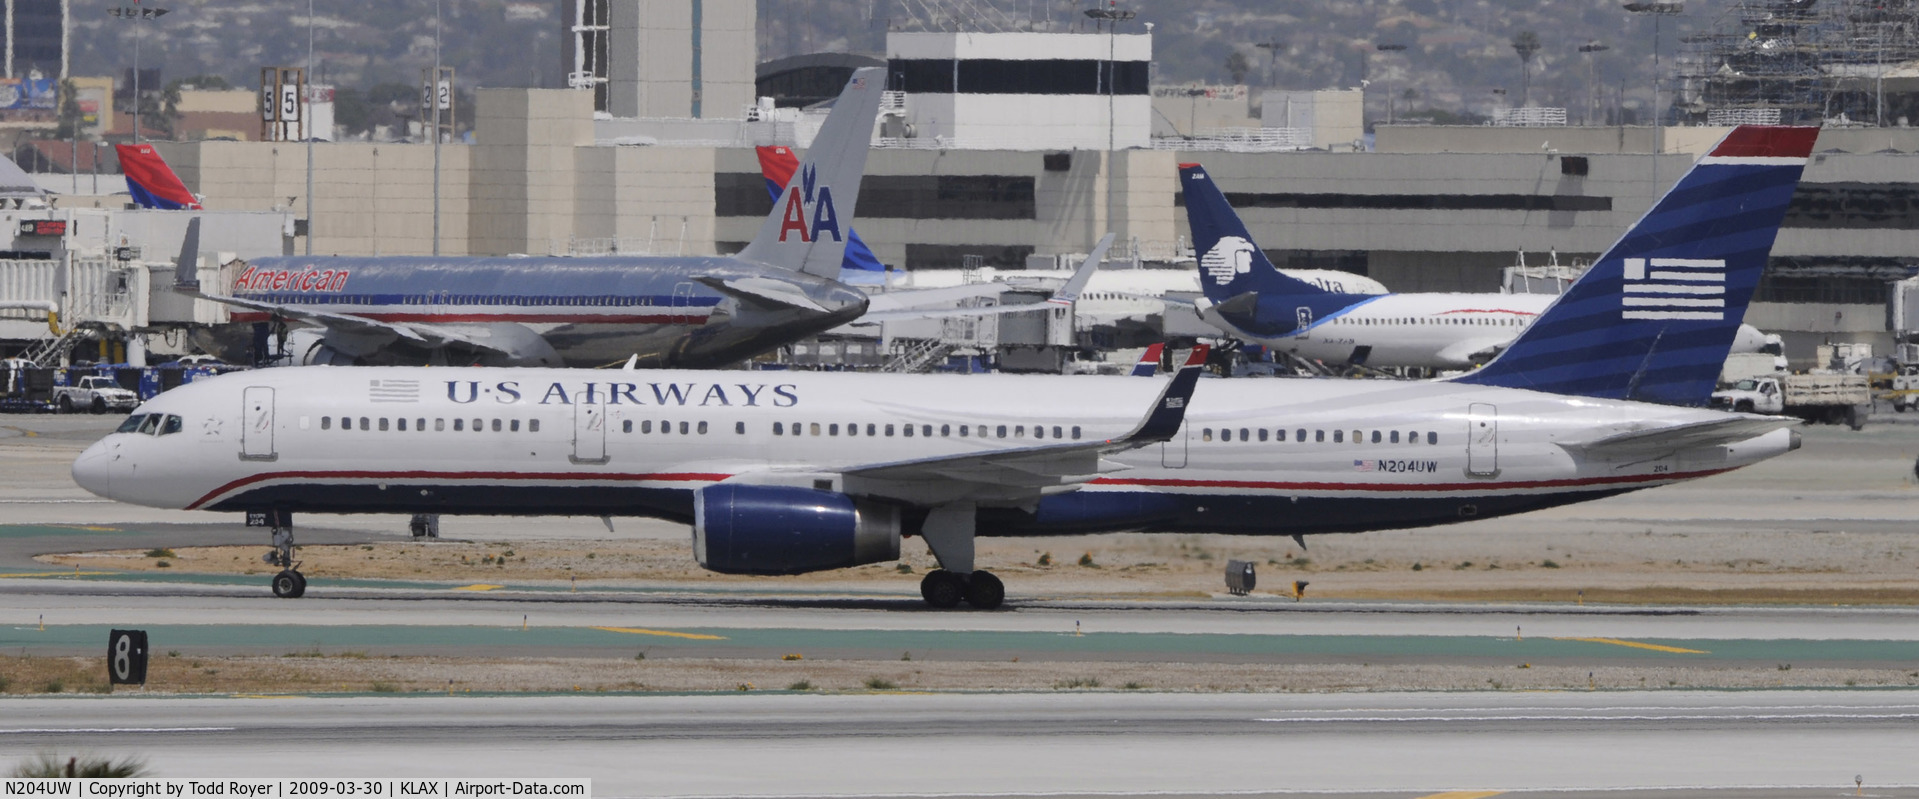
x,y
1248,298
671,311
783,473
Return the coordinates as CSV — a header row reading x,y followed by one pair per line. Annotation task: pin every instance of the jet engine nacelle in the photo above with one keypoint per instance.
x,y
751,529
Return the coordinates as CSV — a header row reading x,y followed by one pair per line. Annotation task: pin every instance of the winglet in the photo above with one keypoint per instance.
x,y
1169,412
1069,293
186,272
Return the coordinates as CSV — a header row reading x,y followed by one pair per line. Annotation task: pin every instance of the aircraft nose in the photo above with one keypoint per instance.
x,y
93,470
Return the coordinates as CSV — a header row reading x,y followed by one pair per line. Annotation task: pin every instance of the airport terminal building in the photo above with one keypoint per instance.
x,y
987,154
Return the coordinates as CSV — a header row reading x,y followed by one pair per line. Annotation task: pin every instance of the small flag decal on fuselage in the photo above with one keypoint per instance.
x,y
1674,288
393,391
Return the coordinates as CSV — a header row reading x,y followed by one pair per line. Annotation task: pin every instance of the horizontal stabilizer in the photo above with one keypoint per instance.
x,y
1714,433
765,290
1472,351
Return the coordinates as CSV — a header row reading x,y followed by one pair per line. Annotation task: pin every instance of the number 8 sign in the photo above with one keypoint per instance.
x,y
127,657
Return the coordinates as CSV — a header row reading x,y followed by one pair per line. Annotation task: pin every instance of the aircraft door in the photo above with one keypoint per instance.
x,y
1172,454
256,431
589,432
683,295
1305,320
1482,440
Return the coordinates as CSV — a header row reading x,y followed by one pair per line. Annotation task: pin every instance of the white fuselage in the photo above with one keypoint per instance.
x,y
1433,331
1253,457
1115,294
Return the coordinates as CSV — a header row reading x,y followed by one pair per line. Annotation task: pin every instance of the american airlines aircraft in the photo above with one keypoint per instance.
x,y
672,311
787,472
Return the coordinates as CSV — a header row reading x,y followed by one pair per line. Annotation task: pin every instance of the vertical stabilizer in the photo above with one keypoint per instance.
x,y
1230,264
151,181
860,266
1653,318
811,219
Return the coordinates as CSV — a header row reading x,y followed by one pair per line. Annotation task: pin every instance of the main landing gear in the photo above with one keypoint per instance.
x,y
943,589
948,531
289,583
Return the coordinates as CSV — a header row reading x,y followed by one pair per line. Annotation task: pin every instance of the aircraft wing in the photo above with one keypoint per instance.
x,y
1026,471
1473,351
347,322
351,324
903,299
1658,440
1064,297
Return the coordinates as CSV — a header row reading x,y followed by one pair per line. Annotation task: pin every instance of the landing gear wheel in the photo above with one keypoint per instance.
x,y
984,591
289,584
943,589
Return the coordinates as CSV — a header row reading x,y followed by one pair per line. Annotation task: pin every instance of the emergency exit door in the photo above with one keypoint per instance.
x,y
1482,440
1172,452
589,432
256,430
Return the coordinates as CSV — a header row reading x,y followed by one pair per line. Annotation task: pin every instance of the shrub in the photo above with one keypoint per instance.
x,y
1548,564
1087,560
160,553
880,684
1045,559
47,765
801,685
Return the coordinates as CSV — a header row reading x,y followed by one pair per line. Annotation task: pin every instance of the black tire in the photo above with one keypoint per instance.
x,y
66,404
1743,406
289,584
943,589
99,405
300,587
984,591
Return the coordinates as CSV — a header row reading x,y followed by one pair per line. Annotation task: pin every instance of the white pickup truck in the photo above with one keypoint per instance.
x,y
95,393
1836,399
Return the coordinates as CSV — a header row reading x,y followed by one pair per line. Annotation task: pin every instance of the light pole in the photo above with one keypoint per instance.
x,y
308,125
1272,49
1113,15
1389,48
134,14
1658,11
1591,102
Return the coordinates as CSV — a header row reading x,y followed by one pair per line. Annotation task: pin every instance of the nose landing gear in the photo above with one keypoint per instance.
x,y
289,583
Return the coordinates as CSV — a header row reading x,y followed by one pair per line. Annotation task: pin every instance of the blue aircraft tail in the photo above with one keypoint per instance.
x,y
1230,264
1652,320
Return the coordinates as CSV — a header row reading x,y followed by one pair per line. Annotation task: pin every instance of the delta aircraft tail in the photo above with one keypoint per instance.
x,y
1653,318
860,266
151,181
808,227
1230,264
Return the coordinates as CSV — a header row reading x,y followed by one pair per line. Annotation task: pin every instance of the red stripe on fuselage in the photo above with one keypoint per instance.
x,y
430,318
663,477
1571,482
690,477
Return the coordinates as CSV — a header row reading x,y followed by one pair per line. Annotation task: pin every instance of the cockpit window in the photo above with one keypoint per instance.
x,y
132,424
171,425
151,424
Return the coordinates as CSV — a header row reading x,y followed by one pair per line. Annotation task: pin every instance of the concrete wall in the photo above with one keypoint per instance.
x,y
652,58
368,198
524,196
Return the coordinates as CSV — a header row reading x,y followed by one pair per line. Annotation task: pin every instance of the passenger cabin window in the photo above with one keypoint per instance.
x,y
382,424
778,430
626,425
439,425
533,425
459,425
1432,437
514,426
739,428
326,423
702,428
1075,432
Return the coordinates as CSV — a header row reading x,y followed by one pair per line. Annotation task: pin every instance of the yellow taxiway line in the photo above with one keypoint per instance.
x,y
664,633
478,587
1639,645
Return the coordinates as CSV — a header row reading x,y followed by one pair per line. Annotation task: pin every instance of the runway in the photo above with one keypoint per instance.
x,y
1843,493
1404,745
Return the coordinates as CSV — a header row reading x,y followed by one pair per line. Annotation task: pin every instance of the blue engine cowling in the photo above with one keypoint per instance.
x,y
749,529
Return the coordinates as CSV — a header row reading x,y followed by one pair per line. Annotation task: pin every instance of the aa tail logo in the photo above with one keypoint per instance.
x,y
825,218
1674,288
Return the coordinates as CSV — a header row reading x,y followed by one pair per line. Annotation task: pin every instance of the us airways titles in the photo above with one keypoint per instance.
x,y
745,395
825,219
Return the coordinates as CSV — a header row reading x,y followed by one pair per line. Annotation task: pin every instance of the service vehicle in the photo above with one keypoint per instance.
x,y
1830,398
95,394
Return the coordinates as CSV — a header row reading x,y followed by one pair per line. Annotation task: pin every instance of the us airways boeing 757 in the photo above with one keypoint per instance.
x,y
783,473
671,311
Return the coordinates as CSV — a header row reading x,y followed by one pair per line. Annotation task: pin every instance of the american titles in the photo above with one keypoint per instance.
x,y
256,279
